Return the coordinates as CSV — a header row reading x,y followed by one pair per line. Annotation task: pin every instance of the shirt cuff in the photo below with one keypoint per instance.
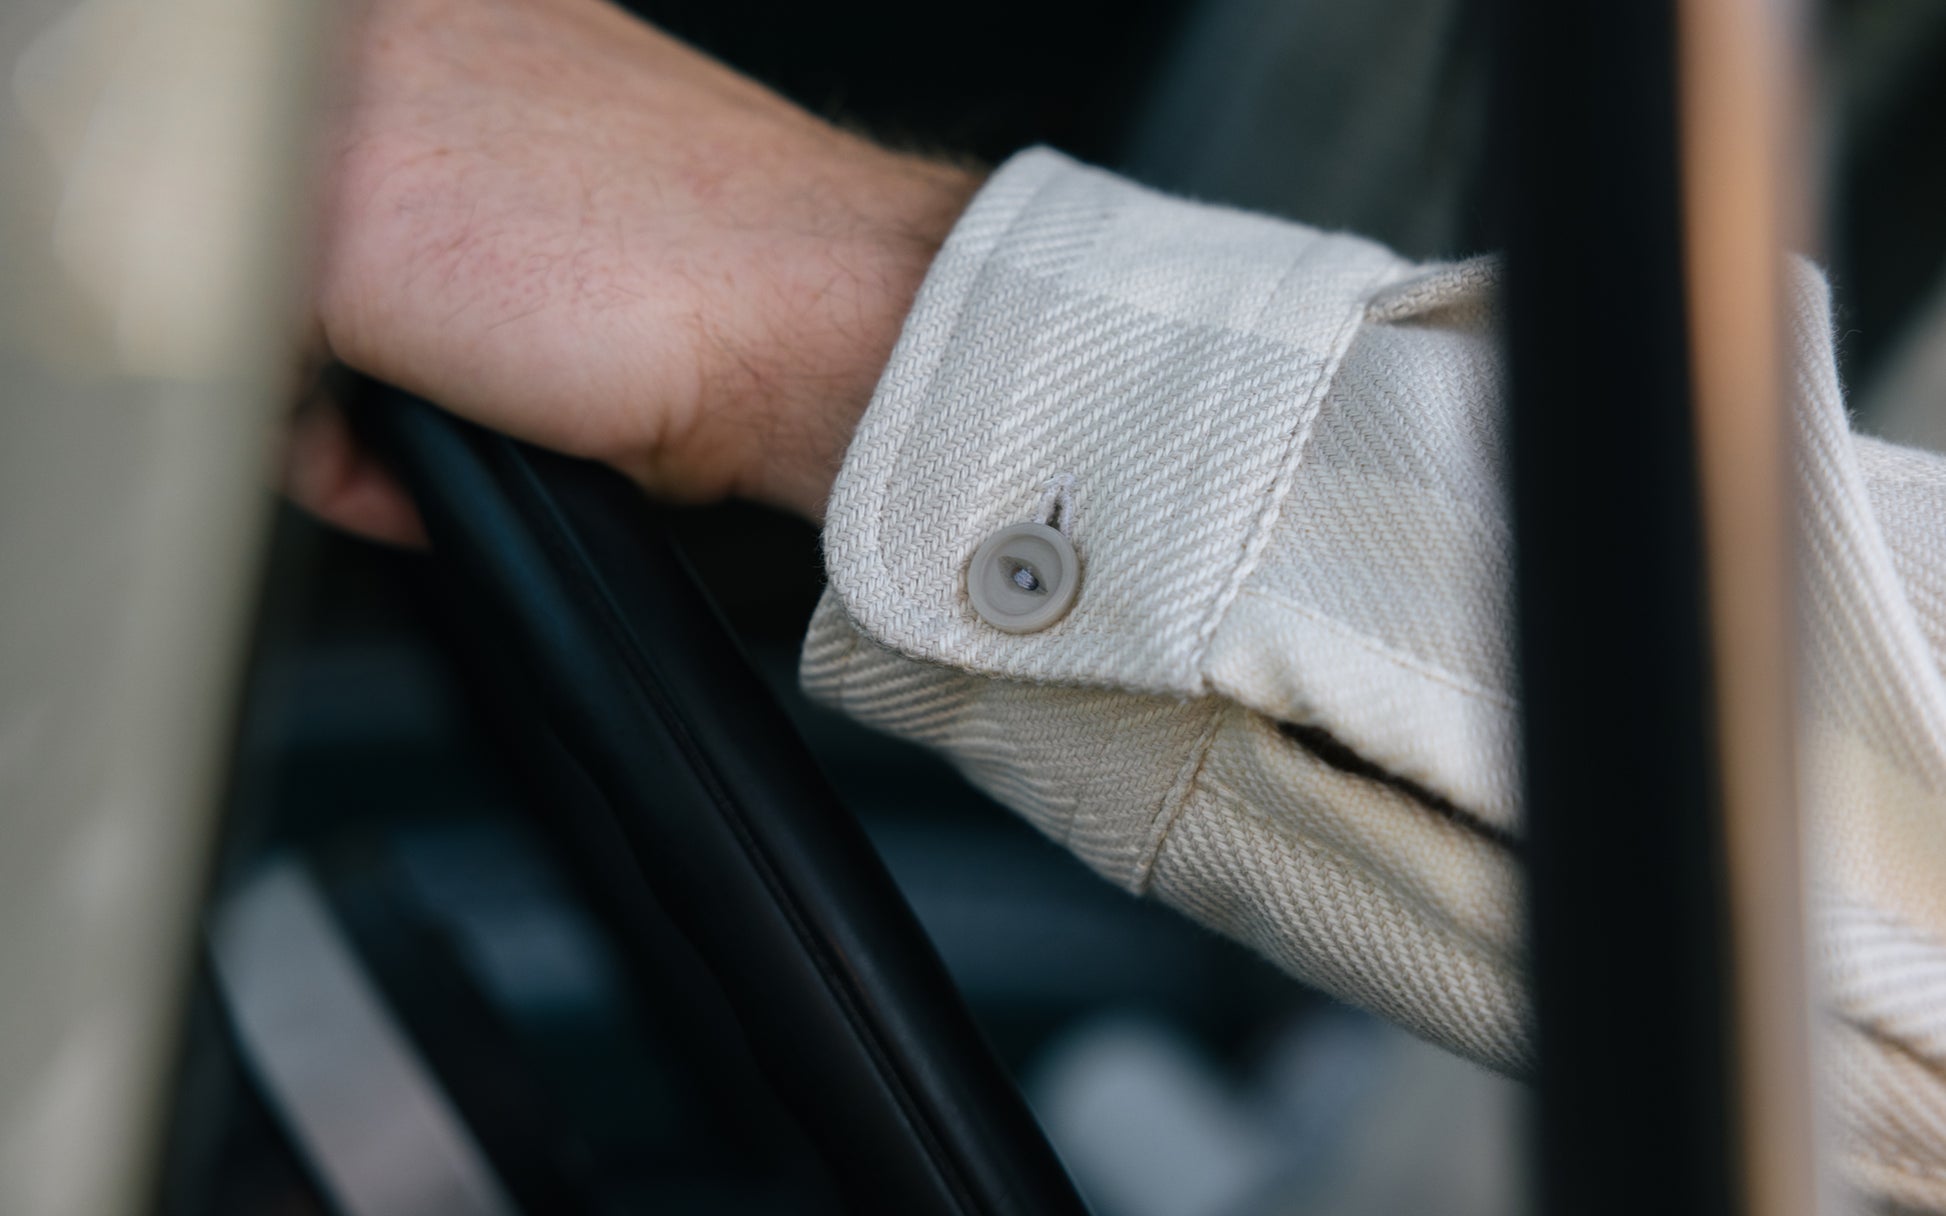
x,y
1162,361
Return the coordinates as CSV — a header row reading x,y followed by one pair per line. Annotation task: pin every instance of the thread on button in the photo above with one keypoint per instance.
x,y
1025,577
1057,503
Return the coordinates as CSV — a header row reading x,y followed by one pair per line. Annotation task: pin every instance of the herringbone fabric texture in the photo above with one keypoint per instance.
x,y
1284,700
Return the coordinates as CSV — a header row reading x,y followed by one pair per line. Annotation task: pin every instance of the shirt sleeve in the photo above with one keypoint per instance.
x,y
1283,699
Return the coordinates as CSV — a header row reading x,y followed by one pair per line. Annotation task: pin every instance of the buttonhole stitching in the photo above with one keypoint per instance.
x,y
1056,509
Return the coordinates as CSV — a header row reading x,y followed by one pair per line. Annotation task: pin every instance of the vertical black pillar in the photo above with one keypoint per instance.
x,y
1626,871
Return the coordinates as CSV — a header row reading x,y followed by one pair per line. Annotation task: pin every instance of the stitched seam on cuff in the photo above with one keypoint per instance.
x,y
1257,539
1178,796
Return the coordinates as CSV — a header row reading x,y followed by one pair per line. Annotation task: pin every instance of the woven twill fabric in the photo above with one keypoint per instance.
x,y
1156,361
1284,700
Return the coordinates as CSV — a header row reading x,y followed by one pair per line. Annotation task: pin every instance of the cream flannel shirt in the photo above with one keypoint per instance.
x,y
1284,701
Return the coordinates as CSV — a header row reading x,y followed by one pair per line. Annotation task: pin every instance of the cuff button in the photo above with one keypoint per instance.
x,y
1023,578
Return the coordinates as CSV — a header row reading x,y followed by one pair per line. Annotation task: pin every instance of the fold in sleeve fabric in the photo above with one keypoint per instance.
x,y
1283,700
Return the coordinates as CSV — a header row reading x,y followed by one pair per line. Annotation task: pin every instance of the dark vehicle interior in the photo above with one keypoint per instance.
x,y
671,939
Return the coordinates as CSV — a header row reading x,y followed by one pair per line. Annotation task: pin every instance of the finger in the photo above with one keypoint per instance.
x,y
328,473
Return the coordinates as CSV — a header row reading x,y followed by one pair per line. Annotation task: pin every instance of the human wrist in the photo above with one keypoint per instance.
x,y
824,378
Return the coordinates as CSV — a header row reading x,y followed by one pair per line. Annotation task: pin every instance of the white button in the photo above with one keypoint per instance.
x,y
1023,578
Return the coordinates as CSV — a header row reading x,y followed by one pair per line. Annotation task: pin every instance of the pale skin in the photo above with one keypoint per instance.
x,y
551,218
